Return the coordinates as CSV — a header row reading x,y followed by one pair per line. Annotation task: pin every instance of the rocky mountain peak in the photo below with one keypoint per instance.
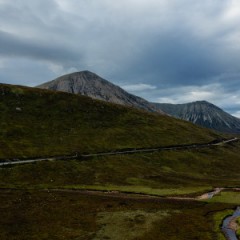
x,y
204,114
90,84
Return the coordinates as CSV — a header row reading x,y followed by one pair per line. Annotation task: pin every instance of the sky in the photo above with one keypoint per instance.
x,y
173,51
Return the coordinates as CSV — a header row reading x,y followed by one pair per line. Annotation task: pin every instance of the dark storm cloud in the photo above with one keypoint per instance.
x,y
178,60
163,50
16,72
15,46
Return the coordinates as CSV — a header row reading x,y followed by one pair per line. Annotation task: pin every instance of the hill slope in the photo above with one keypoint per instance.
x,y
89,84
204,114
37,122
39,199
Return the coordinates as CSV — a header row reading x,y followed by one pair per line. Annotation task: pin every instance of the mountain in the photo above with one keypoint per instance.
x,y
204,114
39,122
89,84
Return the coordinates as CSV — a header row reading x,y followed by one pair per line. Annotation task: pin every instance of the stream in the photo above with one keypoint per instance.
x,y
228,226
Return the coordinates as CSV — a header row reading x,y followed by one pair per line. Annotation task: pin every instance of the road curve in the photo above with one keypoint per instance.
x,y
7,162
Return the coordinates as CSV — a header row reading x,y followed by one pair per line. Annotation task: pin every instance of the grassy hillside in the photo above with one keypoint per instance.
x,y
38,122
35,122
163,173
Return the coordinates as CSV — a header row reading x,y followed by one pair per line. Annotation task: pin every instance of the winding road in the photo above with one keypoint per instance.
x,y
6,162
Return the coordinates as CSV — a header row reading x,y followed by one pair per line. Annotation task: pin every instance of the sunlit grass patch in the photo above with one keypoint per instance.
x,y
127,225
142,189
227,197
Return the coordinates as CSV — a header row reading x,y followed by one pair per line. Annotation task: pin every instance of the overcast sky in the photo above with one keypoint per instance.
x,y
173,51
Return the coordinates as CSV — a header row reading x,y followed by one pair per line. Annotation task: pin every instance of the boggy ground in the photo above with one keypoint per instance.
x,y
39,214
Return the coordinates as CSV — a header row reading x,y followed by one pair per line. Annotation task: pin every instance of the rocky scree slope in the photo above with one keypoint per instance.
x,y
91,85
204,114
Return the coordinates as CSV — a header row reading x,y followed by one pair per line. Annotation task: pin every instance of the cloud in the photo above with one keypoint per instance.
x,y
138,87
2,63
16,46
170,40
237,114
214,93
162,50
190,94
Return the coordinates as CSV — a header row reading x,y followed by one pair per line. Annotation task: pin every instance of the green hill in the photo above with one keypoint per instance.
x,y
36,122
42,200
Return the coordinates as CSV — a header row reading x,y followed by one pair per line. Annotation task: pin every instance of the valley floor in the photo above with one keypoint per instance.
x,y
37,214
132,197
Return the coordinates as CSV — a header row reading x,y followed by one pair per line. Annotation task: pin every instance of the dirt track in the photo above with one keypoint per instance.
x,y
141,196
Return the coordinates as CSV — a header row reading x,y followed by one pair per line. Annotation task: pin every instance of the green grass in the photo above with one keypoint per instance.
x,y
163,173
53,123
227,197
142,189
128,224
36,122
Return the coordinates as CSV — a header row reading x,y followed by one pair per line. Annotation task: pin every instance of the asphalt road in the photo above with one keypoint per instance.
x,y
119,152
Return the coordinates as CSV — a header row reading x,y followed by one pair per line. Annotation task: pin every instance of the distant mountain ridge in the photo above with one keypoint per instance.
x,y
91,85
204,114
